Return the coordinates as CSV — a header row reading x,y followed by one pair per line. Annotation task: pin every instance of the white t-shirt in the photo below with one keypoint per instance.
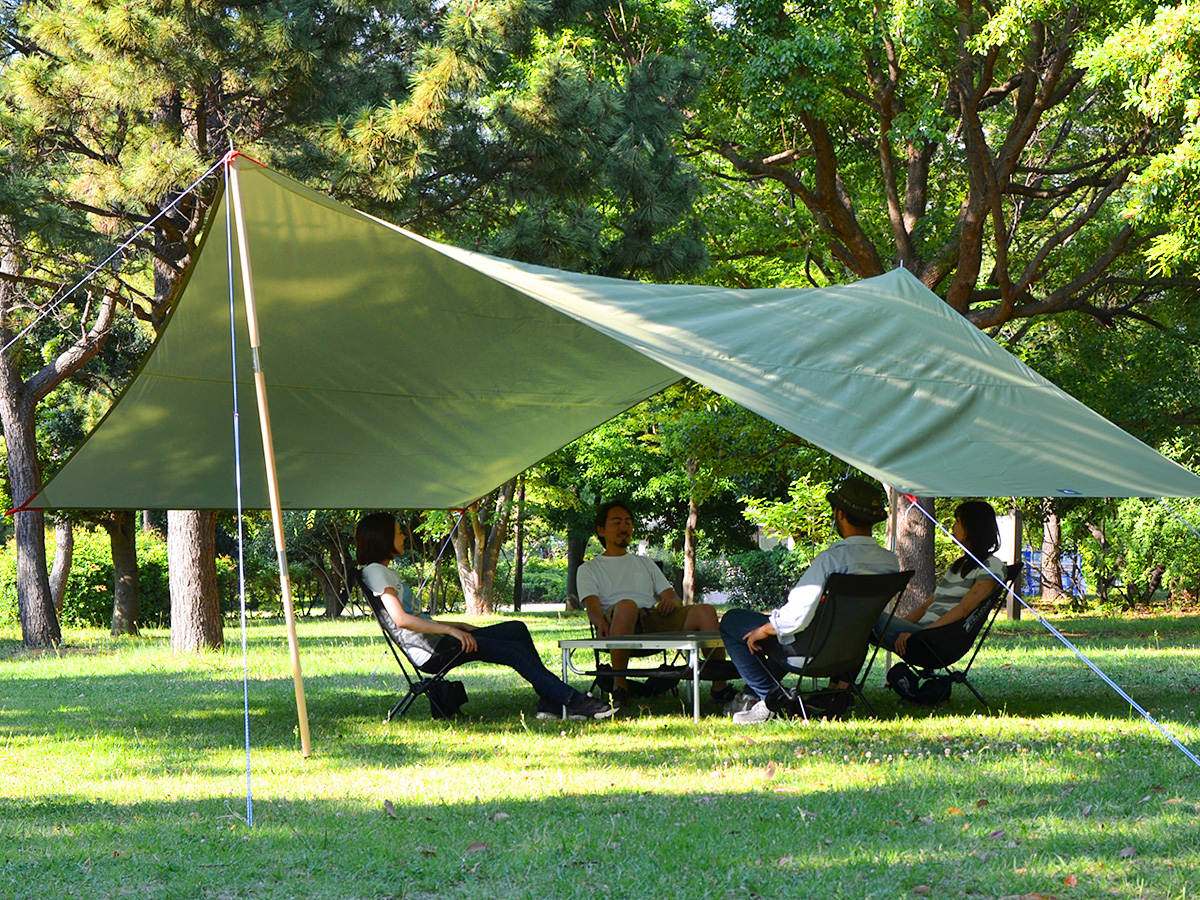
x,y
616,578
418,645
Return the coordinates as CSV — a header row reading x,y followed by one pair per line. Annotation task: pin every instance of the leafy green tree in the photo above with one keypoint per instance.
x,y
109,110
960,140
539,132
1155,62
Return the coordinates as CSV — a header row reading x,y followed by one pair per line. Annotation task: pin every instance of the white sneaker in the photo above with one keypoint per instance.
x,y
755,715
743,701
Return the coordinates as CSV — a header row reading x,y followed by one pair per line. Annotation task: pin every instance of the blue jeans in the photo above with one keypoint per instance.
x,y
758,671
506,644
886,637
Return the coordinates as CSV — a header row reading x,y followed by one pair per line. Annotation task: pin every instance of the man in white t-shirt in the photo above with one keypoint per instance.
x,y
625,593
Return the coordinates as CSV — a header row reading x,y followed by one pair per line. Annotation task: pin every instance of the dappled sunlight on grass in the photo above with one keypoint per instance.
x,y
123,770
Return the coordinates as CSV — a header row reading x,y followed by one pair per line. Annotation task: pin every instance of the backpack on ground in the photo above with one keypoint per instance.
x,y
928,691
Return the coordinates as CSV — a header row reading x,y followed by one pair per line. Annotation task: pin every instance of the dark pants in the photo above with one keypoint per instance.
x,y
763,670
505,644
758,670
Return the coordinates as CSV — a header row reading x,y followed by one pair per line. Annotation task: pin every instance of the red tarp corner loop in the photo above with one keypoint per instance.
x,y
25,507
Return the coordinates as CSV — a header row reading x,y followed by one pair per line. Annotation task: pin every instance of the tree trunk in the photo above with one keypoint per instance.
x,y
122,537
477,544
914,546
335,588
1052,588
19,399
35,603
39,624
576,547
689,538
64,552
519,549
195,603
1105,571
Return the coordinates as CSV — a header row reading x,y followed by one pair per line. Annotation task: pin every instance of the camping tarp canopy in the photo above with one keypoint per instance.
x,y
403,373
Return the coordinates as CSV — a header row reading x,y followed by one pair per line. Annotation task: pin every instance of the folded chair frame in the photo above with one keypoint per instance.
x,y
419,681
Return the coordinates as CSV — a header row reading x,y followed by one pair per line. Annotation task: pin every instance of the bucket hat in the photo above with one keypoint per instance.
x,y
860,498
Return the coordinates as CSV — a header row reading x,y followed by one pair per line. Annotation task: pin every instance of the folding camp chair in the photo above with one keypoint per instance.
x,y
838,638
931,650
419,681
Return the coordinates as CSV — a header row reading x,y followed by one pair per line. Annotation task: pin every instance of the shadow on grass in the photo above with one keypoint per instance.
x,y
874,838
206,710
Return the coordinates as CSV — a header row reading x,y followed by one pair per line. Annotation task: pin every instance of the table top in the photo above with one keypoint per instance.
x,y
665,640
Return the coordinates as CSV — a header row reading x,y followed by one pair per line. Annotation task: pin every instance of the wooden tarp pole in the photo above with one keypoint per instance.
x,y
264,419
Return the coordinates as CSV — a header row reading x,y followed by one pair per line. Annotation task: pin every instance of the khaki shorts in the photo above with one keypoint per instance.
x,y
650,621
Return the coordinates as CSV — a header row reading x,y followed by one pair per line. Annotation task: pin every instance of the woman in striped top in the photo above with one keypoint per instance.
x,y
963,586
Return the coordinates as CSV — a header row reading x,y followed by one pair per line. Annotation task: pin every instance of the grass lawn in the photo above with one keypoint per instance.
x,y
123,774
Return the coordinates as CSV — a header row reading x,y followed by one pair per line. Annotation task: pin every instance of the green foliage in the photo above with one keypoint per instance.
x,y
544,580
761,579
710,572
1138,374
1155,62
88,600
1157,546
683,443
804,515
541,134
956,139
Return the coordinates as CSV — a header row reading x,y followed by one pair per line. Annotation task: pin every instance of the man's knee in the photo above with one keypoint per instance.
x,y
735,624
701,617
624,616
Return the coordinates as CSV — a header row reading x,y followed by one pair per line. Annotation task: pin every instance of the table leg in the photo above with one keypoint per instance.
x,y
565,663
695,654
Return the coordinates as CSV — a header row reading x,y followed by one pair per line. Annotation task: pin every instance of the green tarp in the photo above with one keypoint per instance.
x,y
406,373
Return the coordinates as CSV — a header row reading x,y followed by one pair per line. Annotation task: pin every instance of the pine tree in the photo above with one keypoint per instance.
x,y
107,112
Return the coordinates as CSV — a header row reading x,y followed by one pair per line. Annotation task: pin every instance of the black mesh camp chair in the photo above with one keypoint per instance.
x,y
838,638
419,681
931,651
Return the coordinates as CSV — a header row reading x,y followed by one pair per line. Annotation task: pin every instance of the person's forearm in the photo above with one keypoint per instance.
x,y
914,615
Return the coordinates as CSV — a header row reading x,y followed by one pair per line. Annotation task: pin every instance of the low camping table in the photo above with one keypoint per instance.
x,y
690,642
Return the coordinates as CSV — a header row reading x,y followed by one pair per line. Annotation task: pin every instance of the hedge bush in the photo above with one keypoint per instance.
x,y
89,596
88,600
761,579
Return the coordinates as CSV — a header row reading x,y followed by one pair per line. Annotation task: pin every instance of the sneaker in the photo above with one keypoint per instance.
x,y
589,708
755,715
741,702
724,695
620,697
549,709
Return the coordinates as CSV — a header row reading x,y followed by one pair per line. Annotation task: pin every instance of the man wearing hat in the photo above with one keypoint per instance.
x,y
751,637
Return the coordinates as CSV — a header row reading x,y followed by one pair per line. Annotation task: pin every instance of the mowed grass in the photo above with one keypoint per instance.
x,y
123,774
